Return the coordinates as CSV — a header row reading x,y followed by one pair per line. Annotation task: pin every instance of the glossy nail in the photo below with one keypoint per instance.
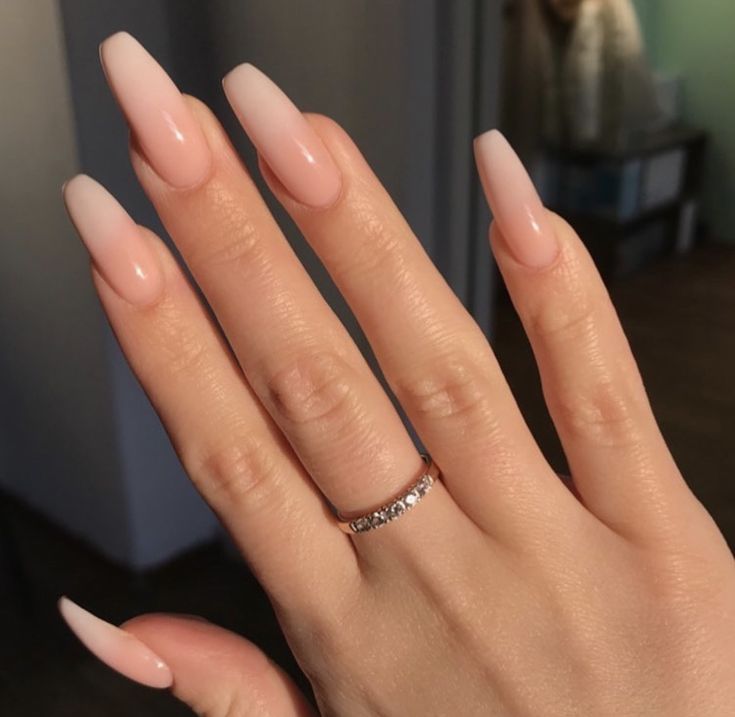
x,y
116,648
114,241
166,130
283,137
514,201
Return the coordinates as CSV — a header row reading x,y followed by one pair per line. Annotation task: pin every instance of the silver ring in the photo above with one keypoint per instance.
x,y
396,507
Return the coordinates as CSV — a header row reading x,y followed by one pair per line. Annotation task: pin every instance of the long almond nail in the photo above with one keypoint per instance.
x,y
514,201
114,241
283,137
167,131
116,648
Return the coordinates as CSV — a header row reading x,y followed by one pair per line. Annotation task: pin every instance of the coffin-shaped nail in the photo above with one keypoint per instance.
x,y
514,201
164,126
117,247
283,137
116,648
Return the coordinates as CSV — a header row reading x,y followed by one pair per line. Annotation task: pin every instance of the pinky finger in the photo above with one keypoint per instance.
x,y
212,670
621,466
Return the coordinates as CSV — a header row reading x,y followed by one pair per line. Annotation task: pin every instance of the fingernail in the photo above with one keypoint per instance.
x,y
514,201
166,130
116,648
283,137
114,241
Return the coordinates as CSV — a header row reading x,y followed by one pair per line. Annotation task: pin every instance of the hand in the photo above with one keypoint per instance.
x,y
502,592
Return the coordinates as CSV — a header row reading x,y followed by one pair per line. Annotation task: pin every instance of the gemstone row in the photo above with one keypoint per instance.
x,y
395,508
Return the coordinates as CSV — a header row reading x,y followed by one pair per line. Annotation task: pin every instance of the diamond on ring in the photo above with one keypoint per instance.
x,y
398,506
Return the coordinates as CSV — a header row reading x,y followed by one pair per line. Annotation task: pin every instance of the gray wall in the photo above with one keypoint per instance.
x,y
79,439
57,431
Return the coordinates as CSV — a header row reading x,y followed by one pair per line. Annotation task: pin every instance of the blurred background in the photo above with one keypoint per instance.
x,y
624,111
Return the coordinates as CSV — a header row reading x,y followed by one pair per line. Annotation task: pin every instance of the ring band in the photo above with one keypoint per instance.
x,y
398,506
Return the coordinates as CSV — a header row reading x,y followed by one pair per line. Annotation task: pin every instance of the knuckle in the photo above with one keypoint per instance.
x,y
314,389
375,249
568,307
600,414
186,356
456,387
562,321
242,470
238,243
685,579
176,348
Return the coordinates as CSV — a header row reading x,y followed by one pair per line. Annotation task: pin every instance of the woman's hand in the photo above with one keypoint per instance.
x,y
502,592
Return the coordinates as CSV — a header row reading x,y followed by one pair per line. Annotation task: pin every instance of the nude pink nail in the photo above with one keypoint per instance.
x,y
114,241
166,130
283,137
116,648
514,201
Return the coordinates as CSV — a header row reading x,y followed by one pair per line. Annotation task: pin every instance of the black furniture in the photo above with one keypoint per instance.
x,y
634,205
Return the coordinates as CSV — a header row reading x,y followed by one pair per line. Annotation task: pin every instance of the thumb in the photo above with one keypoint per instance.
x,y
214,671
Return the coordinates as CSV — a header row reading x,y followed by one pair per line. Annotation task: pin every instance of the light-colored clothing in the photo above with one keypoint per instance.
x,y
586,84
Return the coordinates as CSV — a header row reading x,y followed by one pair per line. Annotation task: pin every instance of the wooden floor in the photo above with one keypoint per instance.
x,y
680,317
